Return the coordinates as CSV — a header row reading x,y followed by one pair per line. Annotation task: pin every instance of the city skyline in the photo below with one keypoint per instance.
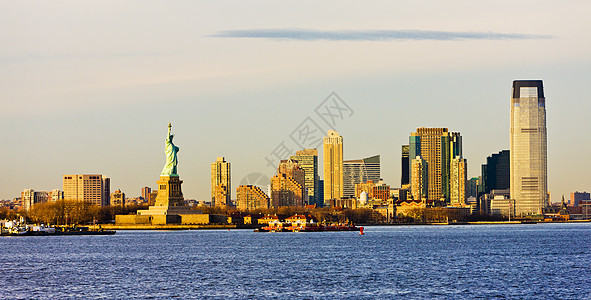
x,y
86,91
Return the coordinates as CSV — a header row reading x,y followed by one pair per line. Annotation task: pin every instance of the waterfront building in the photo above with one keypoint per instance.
x,y
308,161
221,191
30,197
437,147
419,179
292,169
405,178
93,188
333,166
250,197
286,191
458,175
288,186
496,173
528,142
359,171
118,198
576,198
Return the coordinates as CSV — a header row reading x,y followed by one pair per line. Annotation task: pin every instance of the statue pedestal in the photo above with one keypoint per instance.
x,y
169,192
169,202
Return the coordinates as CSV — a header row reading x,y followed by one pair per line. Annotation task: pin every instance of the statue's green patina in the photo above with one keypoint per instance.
x,y
171,157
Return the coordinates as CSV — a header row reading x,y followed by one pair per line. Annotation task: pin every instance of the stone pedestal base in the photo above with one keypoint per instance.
x,y
169,192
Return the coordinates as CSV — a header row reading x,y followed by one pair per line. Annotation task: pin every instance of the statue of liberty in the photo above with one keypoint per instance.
x,y
171,158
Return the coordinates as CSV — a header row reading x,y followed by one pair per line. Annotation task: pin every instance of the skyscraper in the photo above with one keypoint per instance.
x,y
437,147
419,178
496,172
220,182
308,160
359,171
529,182
458,176
333,167
405,178
93,188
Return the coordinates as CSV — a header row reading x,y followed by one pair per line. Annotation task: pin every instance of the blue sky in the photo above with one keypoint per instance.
x,y
89,87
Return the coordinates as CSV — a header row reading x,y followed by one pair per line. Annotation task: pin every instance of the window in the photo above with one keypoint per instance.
x,y
528,92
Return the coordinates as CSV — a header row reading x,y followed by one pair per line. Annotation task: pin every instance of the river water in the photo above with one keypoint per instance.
x,y
535,261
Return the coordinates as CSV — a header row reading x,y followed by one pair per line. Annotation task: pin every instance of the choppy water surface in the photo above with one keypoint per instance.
x,y
499,261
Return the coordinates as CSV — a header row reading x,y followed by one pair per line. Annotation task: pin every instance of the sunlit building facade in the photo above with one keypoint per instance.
x,y
528,142
333,167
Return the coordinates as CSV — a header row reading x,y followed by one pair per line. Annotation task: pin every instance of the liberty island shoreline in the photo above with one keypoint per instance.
x,y
169,227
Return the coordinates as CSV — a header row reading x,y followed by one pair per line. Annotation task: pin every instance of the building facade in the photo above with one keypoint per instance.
x,y
93,188
118,198
419,179
528,142
249,197
286,191
333,167
30,197
496,173
308,161
359,171
221,188
458,177
576,198
437,147
405,164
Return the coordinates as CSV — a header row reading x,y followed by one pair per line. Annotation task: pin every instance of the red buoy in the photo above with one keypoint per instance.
x,y
361,231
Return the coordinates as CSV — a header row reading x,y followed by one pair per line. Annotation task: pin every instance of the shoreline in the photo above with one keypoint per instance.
x,y
235,226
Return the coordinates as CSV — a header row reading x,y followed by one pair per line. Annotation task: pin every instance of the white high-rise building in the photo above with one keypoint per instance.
x,y
529,172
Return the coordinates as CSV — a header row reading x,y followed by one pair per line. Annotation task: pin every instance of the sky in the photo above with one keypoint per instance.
x,y
90,87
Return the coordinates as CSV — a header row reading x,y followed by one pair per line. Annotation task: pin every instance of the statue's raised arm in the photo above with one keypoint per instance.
x,y
170,168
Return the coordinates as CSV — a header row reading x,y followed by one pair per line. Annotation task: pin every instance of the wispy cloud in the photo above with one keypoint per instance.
x,y
371,35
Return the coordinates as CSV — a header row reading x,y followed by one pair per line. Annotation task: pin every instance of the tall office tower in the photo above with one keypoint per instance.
x,y
472,187
320,193
359,171
118,198
405,179
333,167
30,197
458,176
451,148
529,171
308,161
419,178
250,197
221,191
106,199
146,193
496,172
437,147
93,188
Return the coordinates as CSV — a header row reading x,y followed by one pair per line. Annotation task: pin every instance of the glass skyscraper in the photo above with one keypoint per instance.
x,y
529,182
